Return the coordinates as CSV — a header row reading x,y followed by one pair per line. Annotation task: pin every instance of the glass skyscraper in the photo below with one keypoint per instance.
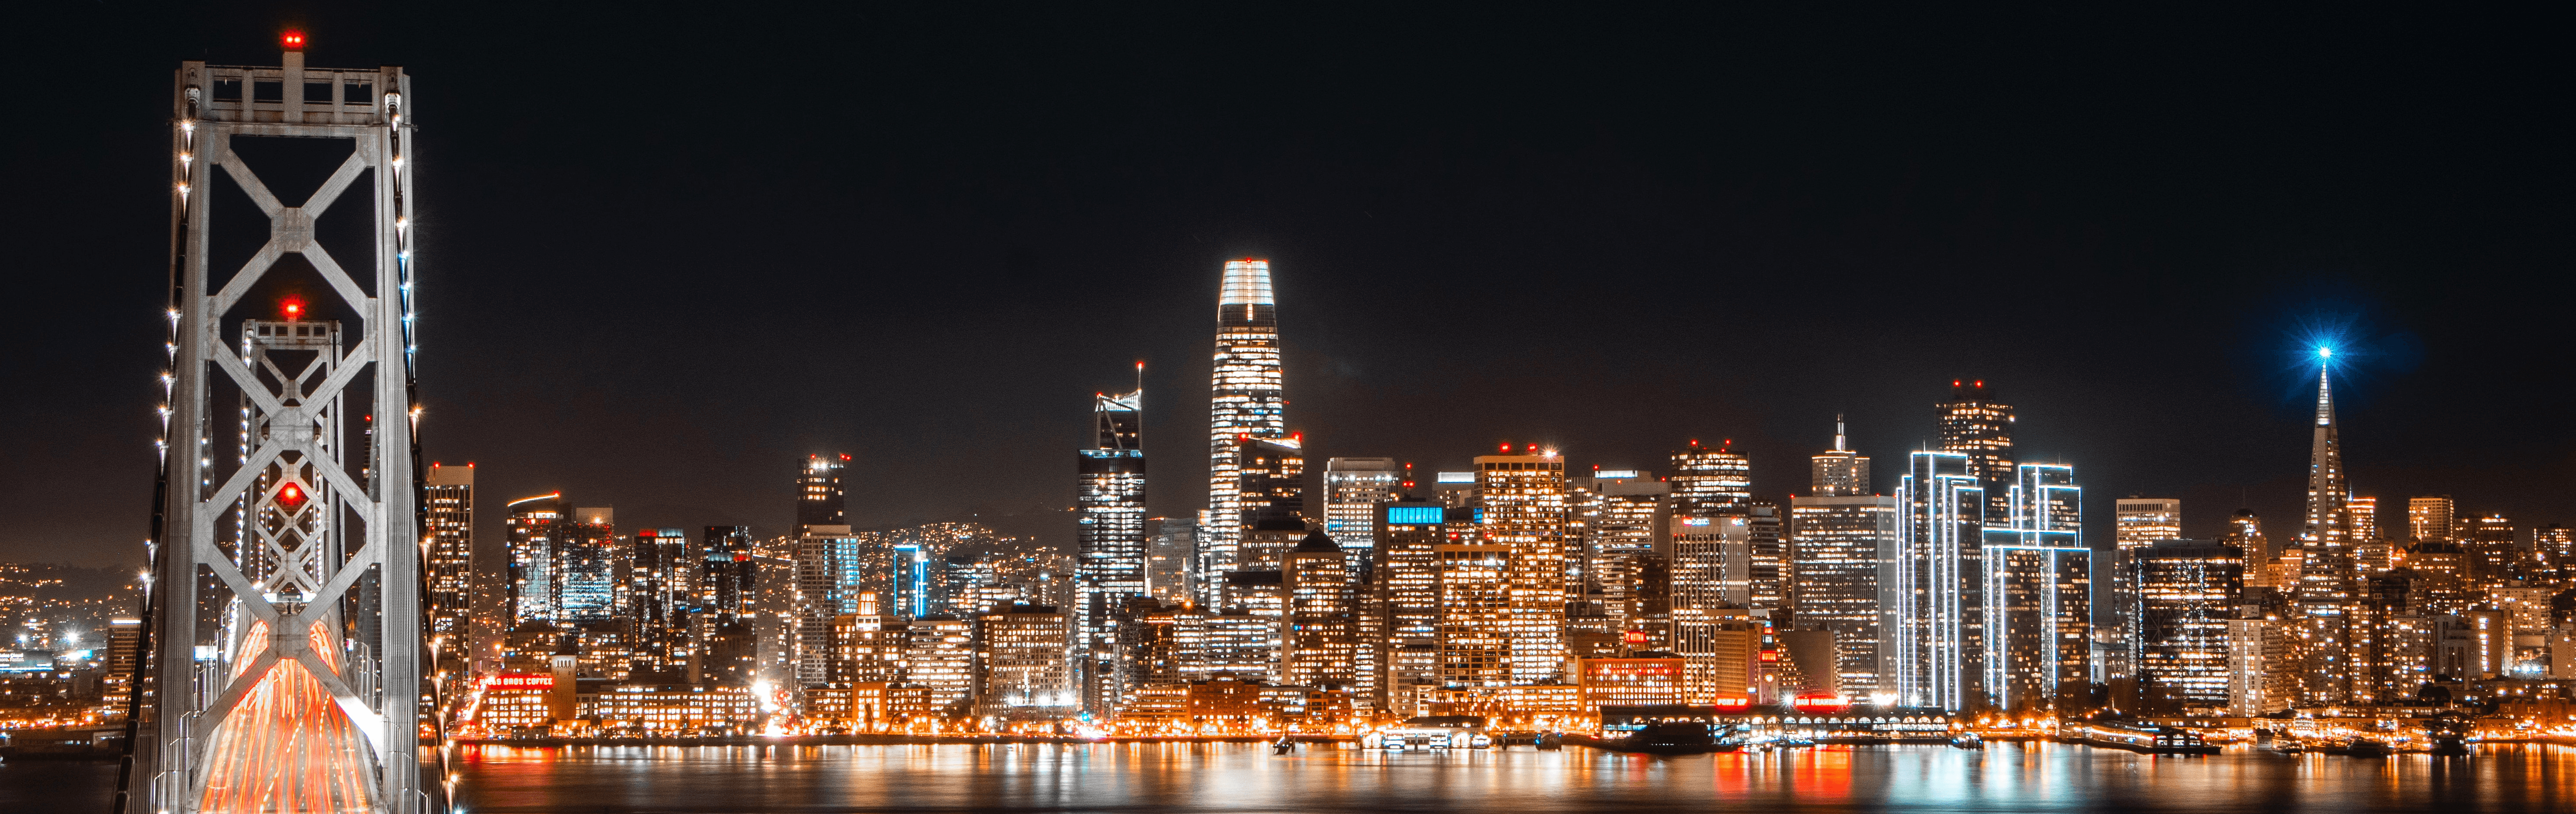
x,y
1247,402
1109,535
1940,567
534,526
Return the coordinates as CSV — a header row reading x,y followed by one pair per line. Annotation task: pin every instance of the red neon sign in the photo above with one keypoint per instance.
x,y
521,680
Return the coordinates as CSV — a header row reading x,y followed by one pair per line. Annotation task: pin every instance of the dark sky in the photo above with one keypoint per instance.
x,y
669,251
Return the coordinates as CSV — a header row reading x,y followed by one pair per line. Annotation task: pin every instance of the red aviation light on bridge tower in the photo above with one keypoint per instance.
x,y
290,496
292,40
294,309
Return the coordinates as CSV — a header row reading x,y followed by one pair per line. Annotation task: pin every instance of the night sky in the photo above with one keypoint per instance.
x,y
669,252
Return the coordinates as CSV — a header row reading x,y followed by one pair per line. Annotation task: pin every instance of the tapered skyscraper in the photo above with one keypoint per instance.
x,y
1246,400
2328,635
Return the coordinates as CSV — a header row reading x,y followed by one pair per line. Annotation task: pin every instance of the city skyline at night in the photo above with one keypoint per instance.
x,y
491,431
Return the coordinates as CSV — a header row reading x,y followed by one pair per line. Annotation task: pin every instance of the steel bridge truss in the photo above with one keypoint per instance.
x,y
287,659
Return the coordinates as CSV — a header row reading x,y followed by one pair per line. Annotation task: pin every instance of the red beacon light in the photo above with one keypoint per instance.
x,y
293,40
294,310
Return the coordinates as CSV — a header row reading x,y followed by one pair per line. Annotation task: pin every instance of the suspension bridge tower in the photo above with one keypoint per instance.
x,y
287,662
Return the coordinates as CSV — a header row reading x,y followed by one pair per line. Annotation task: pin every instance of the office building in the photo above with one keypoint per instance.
x,y
2494,555
829,570
1409,533
447,512
1710,482
1168,557
1247,401
2139,522
1839,472
1842,545
1766,555
2255,648
1352,489
1109,536
586,560
1710,592
534,526
2365,519
1522,498
659,596
1632,515
2325,632
1476,614
2430,518
1022,663
939,655
820,498
1319,627
2038,591
909,588
725,575
1977,427
2188,593
1939,618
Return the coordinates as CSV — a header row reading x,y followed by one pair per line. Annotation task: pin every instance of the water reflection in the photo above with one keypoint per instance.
x,y
1247,777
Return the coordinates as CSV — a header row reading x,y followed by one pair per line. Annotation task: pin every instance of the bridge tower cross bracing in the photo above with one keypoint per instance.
x,y
287,661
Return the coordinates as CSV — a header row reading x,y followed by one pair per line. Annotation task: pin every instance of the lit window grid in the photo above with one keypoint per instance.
x,y
2184,606
1524,502
1939,635
1839,543
1475,615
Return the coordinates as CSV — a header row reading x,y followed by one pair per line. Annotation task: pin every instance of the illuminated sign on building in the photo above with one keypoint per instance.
x,y
1414,515
1457,477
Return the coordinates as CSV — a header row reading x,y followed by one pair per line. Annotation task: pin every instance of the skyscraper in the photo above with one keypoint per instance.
x,y
830,569
1939,617
725,576
1630,525
447,506
2138,522
2038,591
1247,401
2188,590
1352,489
1843,540
820,500
1319,645
2430,518
659,597
2324,632
1109,534
1523,500
1709,482
535,524
1975,425
1840,471
586,587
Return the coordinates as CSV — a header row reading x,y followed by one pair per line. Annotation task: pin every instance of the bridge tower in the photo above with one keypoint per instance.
x,y
287,656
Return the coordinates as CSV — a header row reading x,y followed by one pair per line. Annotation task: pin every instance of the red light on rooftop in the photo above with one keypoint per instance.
x,y
293,40
845,456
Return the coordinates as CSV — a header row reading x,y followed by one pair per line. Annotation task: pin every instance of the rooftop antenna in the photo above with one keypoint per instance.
x,y
1838,432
